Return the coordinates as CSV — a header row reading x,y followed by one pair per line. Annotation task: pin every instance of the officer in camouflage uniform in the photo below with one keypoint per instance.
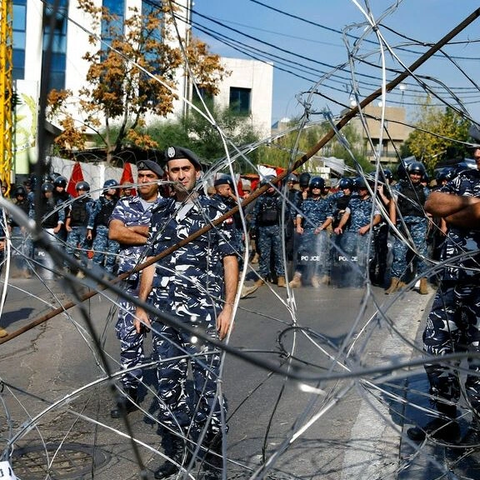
x,y
129,226
197,285
453,323
407,212
355,227
314,250
266,220
76,225
104,250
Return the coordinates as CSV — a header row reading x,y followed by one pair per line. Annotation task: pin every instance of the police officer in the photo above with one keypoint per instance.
x,y
76,225
104,249
21,242
62,197
197,284
452,324
224,192
313,252
51,220
408,214
378,266
266,221
129,226
356,224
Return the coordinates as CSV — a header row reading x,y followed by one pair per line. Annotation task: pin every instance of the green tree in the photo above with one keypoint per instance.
x,y
196,132
130,78
437,131
279,153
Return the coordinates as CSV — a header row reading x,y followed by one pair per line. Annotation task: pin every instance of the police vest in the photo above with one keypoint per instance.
x,y
268,212
49,219
78,213
411,200
105,212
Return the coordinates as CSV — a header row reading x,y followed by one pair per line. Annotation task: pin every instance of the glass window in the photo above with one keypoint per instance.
x,y
56,36
19,25
240,100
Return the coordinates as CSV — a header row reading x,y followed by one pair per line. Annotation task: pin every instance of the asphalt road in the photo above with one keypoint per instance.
x,y
306,422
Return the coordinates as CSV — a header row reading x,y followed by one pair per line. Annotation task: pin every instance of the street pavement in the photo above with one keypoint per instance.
x,y
57,400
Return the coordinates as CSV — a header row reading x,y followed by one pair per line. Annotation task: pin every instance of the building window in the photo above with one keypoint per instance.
x,y
19,26
202,93
55,35
109,29
240,100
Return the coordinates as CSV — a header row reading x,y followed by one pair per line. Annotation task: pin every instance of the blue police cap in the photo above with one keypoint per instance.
x,y
223,181
150,165
177,153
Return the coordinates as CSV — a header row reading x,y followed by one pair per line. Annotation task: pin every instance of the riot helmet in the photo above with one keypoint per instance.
x,y
82,186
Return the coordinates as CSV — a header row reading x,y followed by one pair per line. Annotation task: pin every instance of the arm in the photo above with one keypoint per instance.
x,y
298,224
343,222
131,235
456,207
324,225
225,318
393,211
376,220
146,279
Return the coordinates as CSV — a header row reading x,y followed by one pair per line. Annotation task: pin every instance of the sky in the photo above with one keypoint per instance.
x,y
307,39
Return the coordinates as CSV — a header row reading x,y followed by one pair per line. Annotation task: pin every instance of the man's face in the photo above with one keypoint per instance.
x,y
415,177
182,172
476,157
147,186
224,190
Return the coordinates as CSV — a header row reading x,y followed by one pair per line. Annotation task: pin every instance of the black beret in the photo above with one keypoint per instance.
x,y
177,153
150,165
223,181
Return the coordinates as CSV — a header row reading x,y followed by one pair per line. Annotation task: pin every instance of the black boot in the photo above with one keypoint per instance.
x,y
213,461
444,427
126,403
174,447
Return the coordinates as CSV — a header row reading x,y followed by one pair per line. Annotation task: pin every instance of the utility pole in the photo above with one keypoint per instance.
x,y
6,93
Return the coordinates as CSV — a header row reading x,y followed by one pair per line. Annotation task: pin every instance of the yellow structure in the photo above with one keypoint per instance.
x,y
6,93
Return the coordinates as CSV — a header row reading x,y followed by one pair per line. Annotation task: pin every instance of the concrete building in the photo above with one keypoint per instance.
x,y
248,88
395,133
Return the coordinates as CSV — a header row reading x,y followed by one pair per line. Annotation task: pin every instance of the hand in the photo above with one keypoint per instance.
x,y
224,321
338,231
141,321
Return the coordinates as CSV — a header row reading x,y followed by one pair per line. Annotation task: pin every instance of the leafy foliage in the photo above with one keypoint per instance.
x,y
437,132
130,76
279,153
194,131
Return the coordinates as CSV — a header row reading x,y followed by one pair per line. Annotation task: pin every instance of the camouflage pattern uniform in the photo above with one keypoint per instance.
x,y
189,285
105,250
266,222
452,324
314,249
236,221
77,238
132,211
359,248
415,221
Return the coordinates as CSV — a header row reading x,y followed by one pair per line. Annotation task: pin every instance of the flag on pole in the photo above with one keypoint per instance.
x,y
76,176
127,178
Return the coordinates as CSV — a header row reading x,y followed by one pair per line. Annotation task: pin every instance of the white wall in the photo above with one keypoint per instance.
x,y
257,76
